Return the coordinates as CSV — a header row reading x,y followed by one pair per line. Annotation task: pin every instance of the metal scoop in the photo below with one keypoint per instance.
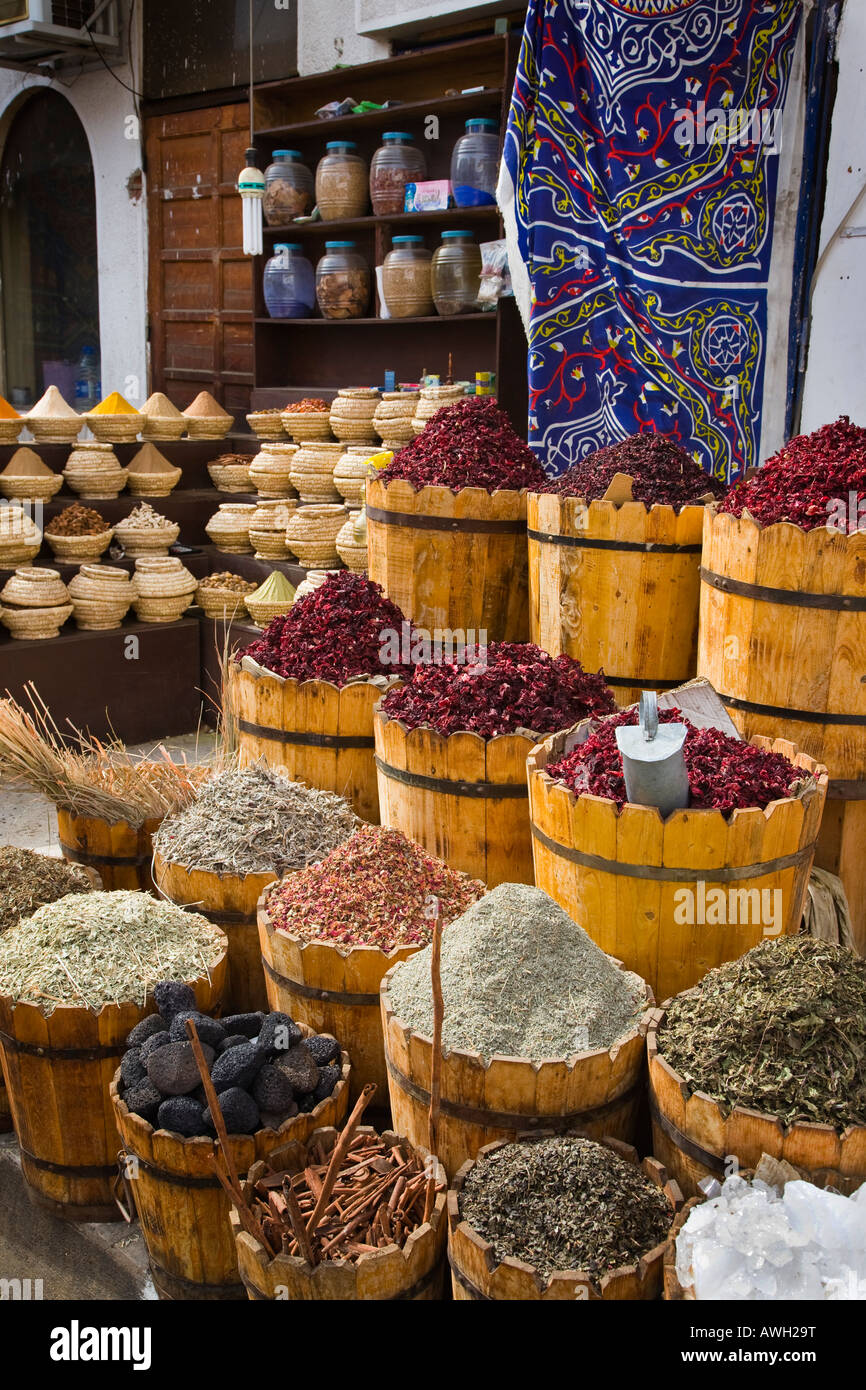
x,y
652,759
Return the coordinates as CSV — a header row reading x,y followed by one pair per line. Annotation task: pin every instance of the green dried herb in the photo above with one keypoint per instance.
x,y
28,880
561,1203
782,1030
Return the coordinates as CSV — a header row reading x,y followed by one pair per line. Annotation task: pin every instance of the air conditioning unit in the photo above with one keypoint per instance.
x,y
36,33
380,19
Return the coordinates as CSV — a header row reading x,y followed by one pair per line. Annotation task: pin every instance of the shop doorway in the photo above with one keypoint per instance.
x,y
48,253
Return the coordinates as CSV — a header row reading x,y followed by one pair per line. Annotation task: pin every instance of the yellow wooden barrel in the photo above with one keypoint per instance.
x,y
119,852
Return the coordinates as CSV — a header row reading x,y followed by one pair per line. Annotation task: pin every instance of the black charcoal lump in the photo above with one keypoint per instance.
x,y
156,1040
181,1115
248,1024
324,1048
272,1090
173,1069
279,1033
240,1112
233,1040
144,1100
132,1069
328,1078
145,1029
299,1067
172,996
208,1029
239,1066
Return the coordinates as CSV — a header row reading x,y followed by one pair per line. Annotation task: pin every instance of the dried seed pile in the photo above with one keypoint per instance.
x,y
511,686
807,479
224,579
724,772
77,520
90,949
309,405
565,1204
662,471
469,444
377,1199
144,517
262,1068
782,1030
377,889
255,821
29,880
519,977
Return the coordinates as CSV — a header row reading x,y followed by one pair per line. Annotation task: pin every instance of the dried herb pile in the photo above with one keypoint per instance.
x,y
802,481
263,1071
336,633
514,685
662,471
781,1030
565,1204
29,880
91,949
254,821
77,520
306,406
724,772
377,889
519,977
469,444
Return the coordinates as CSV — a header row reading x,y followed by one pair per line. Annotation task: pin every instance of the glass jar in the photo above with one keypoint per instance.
x,y
289,283
288,189
455,277
341,182
396,163
475,164
342,282
406,278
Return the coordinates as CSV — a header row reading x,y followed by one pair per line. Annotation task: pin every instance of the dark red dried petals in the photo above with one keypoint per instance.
x,y
469,444
663,473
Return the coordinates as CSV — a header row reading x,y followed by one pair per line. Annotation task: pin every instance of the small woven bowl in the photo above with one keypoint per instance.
x,y
115,429
230,477
266,424
312,534
230,531
10,430
77,550
34,586
153,484
31,487
221,603
35,624
163,427
208,426
137,543
263,612
48,430
102,484
303,426
101,597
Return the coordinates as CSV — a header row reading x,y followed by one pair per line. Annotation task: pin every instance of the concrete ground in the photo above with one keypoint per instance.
x,y
105,1261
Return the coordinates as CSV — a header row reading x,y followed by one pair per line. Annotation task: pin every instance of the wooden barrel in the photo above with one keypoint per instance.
x,y
783,640
6,1125
316,732
616,587
695,1138
455,561
332,989
674,1292
183,1210
478,1276
119,852
666,897
413,1274
58,1072
229,901
462,797
599,1091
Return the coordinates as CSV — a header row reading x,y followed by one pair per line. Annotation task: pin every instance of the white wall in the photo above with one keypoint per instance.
x,y
104,107
326,36
834,371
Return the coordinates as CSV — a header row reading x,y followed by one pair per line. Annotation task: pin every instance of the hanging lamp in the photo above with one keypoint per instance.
x,y
251,182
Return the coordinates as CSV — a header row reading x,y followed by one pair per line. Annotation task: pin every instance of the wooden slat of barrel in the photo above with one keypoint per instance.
x,y
120,853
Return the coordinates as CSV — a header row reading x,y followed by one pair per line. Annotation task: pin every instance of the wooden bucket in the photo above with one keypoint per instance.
x,y
463,797
183,1210
783,640
332,990
476,1274
119,852
58,1073
616,587
451,560
599,1091
316,732
695,1139
229,901
632,879
413,1274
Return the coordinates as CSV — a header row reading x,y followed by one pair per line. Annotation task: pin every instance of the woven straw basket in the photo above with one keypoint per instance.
x,y
165,589
35,487
314,580
266,424
48,429
270,470
115,429
268,528
313,472
262,612
393,418
10,430
136,543
432,398
208,426
352,414
75,550
35,624
351,551
221,603
101,597
163,427
230,477
33,586
229,527
302,426
93,470
351,472
20,537
153,484
312,535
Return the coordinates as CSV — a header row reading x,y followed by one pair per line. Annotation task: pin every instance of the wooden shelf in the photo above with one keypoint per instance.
x,y
374,121
434,218
348,323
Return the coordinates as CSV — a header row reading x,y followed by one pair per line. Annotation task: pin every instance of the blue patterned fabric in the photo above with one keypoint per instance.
x,y
642,152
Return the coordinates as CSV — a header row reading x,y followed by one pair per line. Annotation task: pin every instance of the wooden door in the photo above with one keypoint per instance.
x,y
200,284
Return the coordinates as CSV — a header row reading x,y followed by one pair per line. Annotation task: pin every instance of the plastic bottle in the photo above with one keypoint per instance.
x,y
475,163
88,387
289,283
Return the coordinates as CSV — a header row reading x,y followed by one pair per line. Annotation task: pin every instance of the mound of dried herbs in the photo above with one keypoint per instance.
x,y
512,685
565,1204
29,880
803,481
782,1030
469,444
254,821
662,471
724,772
